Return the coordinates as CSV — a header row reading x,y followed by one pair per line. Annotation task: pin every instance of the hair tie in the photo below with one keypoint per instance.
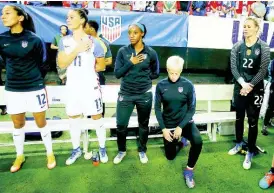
x,y
140,26
26,15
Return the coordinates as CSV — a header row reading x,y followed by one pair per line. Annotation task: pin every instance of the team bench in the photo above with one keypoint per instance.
x,y
209,93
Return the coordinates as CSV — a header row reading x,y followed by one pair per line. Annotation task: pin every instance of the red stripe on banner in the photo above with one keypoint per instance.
x,y
107,32
103,30
115,33
111,34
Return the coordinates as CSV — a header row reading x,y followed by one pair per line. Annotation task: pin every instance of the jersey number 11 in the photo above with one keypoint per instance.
x,y
77,61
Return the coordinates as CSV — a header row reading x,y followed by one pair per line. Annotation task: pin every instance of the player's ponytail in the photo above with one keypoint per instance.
x,y
27,23
145,30
83,13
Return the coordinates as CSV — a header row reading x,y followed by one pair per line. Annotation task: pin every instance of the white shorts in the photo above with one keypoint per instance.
x,y
21,102
80,101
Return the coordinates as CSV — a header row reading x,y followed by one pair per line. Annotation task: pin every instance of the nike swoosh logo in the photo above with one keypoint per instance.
x,y
43,106
45,135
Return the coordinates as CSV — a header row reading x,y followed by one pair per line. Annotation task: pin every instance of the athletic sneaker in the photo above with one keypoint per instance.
x,y
188,175
143,157
267,180
272,122
51,161
236,149
17,163
264,130
247,162
184,142
75,154
103,155
119,157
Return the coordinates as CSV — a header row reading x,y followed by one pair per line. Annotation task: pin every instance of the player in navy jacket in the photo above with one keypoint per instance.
x,y
24,54
176,96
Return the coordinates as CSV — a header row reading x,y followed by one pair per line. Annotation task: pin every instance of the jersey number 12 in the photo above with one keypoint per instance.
x,y
41,100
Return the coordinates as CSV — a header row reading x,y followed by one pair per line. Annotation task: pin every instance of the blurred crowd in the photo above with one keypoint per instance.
x,y
228,9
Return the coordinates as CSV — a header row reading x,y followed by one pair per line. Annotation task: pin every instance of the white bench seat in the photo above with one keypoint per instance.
x,y
207,93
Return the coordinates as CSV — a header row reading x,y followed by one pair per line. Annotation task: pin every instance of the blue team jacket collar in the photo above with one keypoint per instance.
x,y
132,48
17,34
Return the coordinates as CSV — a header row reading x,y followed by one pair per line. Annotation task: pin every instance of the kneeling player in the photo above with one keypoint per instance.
x,y
177,95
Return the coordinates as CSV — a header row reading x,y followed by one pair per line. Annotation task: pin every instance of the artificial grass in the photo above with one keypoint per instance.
x,y
215,171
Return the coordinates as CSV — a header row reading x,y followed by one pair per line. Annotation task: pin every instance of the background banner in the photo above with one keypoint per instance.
x,y
162,29
222,33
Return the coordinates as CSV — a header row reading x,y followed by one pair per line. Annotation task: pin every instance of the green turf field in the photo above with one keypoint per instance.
x,y
215,171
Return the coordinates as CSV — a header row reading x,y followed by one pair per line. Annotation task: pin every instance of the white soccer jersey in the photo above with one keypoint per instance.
x,y
83,94
81,72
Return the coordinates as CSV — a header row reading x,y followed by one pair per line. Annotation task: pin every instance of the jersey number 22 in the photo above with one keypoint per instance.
x,y
248,63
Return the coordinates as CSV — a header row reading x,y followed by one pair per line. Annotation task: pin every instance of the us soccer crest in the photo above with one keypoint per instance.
x,y
121,98
257,52
111,27
24,44
180,89
145,56
248,52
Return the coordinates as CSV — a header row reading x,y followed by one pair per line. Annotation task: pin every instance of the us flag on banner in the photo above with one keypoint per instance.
x,y
111,27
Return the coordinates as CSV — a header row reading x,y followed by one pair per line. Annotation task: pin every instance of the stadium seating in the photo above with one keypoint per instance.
x,y
209,93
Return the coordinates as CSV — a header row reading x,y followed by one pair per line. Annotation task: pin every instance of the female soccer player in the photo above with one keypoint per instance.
x,y
137,64
83,57
177,95
24,54
249,62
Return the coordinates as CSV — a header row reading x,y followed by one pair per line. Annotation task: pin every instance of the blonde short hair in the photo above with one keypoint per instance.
x,y
175,62
256,22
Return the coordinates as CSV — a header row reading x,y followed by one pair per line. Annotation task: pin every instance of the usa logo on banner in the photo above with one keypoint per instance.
x,y
111,27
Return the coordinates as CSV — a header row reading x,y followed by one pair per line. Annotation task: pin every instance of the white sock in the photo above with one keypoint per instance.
x,y
46,136
100,132
75,132
18,140
189,168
